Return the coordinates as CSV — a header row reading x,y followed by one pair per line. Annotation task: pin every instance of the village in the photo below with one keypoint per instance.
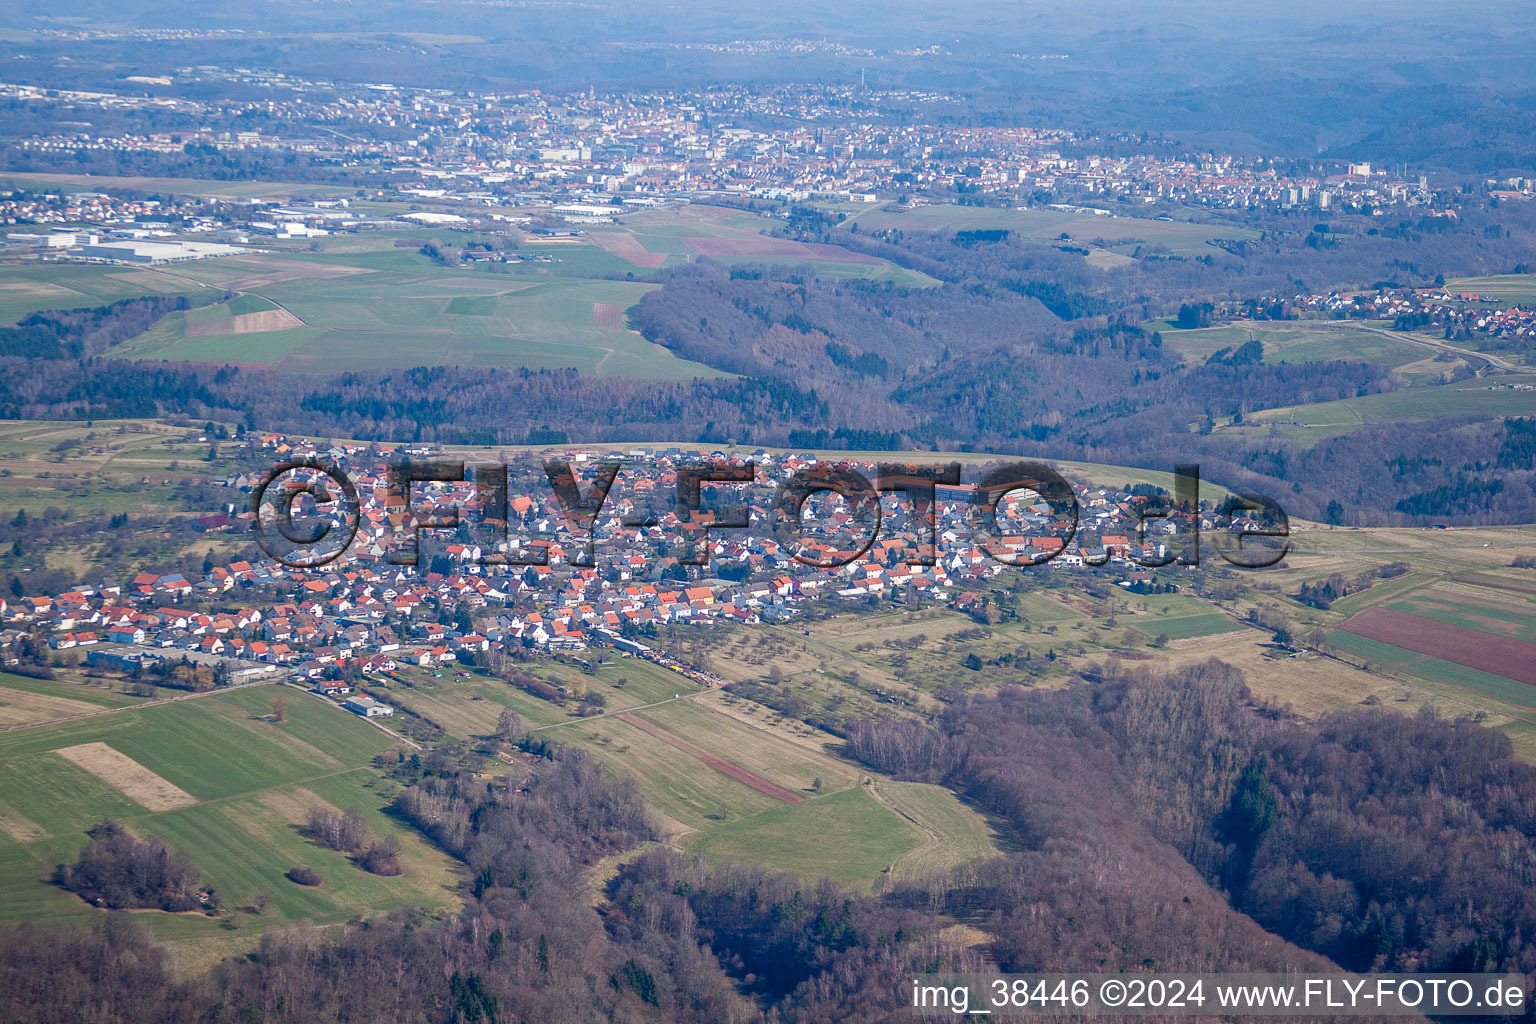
x,y
362,616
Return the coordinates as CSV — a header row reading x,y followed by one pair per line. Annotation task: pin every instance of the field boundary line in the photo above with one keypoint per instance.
x,y
155,702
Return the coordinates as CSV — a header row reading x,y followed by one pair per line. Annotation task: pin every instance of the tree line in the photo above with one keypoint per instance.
x,y
1382,841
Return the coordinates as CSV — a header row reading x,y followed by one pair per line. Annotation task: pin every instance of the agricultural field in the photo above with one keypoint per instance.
x,y
1488,397
1121,233
25,700
659,238
954,831
1473,648
217,780
1308,343
28,289
396,308
1456,631
725,772
1380,655
1472,606
1461,578
849,837
1510,288
371,301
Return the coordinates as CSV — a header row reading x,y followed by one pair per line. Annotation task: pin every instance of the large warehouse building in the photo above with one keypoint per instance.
x,y
135,251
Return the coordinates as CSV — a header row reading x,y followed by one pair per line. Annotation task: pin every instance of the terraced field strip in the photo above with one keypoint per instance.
x,y
607,316
18,707
627,247
719,764
126,775
764,247
1486,652
245,323
1491,582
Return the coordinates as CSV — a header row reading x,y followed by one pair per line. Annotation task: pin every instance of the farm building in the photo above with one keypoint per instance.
x,y
367,707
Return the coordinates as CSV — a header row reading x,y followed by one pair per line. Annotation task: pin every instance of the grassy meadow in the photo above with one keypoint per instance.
x,y
252,783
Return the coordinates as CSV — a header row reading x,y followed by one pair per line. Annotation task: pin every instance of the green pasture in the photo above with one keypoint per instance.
x,y
404,311
1185,627
848,837
955,831
1284,344
255,781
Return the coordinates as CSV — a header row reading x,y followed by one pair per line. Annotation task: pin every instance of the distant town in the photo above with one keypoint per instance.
x,y
578,158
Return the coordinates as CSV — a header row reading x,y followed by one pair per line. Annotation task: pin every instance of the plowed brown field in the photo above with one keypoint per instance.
x,y
1512,659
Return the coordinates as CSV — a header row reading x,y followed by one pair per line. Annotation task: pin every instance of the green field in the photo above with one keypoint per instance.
x,y
1434,669
1283,344
922,827
666,233
1309,424
1513,288
954,831
28,289
254,782
691,792
95,695
1048,225
849,837
1350,604
684,789
395,308
472,305
242,304
1187,627
1459,610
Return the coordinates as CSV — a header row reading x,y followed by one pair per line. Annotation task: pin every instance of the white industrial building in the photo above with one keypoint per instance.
x,y
138,251
584,213
57,239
